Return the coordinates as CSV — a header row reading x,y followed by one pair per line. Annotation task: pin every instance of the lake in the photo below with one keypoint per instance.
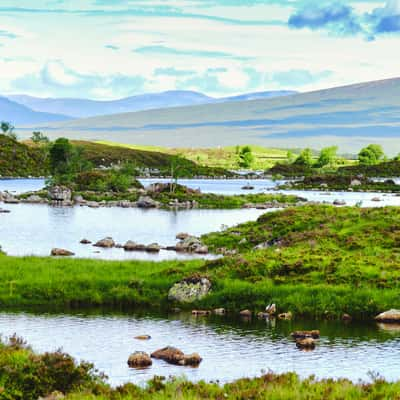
x,y
230,349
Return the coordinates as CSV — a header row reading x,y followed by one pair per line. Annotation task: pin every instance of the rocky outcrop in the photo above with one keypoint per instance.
x,y
191,244
60,194
390,317
139,359
190,290
175,356
34,199
147,202
107,243
61,253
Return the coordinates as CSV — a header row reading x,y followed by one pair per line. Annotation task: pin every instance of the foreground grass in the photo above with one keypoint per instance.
x,y
220,157
318,261
25,375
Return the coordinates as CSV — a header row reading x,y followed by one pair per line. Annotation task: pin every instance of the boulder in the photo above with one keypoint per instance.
x,y
182,236
34,199
92,204
246,313
346,317
191,244
60,193
220,311
192,360
175,356
107,242
10,200
130,245
139,359
338,202
355,182
85,241
201,313
189,290
3,211
61,253
147,202
389,182
376,199
286,316
390,317
315,334
153,248
201,250
308,343
78,199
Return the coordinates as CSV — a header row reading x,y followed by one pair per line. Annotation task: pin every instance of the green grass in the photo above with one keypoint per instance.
x,y
220,157
321,261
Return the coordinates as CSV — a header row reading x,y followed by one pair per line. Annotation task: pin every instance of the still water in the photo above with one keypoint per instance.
x,y
230,349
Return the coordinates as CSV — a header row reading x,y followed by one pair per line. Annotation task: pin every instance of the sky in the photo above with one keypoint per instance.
x,y
107,49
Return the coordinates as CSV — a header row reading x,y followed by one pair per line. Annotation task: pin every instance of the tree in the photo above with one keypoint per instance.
x,y
38,138
327,156
305,158
61,153
246,157
291,158
371,155
8,129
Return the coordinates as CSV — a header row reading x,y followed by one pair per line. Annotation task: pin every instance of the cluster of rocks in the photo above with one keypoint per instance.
x,y
171,355
306,340
190,289
188,244
60,195
8,198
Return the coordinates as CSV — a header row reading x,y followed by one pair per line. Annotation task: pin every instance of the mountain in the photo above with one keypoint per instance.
x,y
258,95
349,116
82,108
18,114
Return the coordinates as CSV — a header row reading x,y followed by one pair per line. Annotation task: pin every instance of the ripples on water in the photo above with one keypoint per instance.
x,y
230,349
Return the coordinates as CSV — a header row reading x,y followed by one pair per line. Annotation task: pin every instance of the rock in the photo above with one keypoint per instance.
x,y
107,242
220,311
60,193
139,359
391,316
201,250
346,317
248,187
308,343
10,200
201,313
246,313
85,241
355,182
78,199
175,356
324,185
338,202
191,244
389,182
271,309
3,211
190,290
124,204
34,199
53,396
182,236
61,253
286,316
143,337
315,334
147,202
376,199
153,248
92,204
130,245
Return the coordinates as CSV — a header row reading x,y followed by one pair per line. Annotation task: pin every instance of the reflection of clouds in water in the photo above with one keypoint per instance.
x,y
230,350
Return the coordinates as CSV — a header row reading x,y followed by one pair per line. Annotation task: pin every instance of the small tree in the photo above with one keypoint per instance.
x,y
39,138
305,158
246,157
371,155
61,153
327,156
8,129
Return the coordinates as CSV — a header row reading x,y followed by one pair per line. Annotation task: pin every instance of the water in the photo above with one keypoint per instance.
x,y
230,349
18,186
31,229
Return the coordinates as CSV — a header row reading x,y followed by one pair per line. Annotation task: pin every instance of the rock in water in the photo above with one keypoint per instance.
x,y
139,359
61,253
147,202
308,343
189,290
107,242
175,356
390,317
60,193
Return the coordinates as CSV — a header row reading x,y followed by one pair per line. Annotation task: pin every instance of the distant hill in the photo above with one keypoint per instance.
x,y
350,116
82,108
18,114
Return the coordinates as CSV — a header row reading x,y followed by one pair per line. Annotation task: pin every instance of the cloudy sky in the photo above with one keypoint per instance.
x,y
114,48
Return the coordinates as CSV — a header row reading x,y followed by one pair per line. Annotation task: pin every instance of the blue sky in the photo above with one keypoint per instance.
x,y
108,49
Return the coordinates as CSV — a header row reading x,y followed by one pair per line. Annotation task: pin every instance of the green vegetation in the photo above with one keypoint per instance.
x,y
317,261
220,157
371,155
25,375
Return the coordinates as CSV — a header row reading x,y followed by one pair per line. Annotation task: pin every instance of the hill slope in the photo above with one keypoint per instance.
x,y
19,114
350,116
82,108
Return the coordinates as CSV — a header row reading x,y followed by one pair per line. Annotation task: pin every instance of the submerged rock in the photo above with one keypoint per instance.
x,y
391,316
189,290
107,242
139,359
61,253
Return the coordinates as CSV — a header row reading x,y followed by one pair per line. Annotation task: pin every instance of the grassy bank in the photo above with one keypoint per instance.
x,y
219,157
316,261
25,375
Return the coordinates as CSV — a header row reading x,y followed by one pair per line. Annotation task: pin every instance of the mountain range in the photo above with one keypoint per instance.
x,y
82,108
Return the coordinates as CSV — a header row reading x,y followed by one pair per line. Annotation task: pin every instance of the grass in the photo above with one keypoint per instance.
x,y
25,375
319,261
219,157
